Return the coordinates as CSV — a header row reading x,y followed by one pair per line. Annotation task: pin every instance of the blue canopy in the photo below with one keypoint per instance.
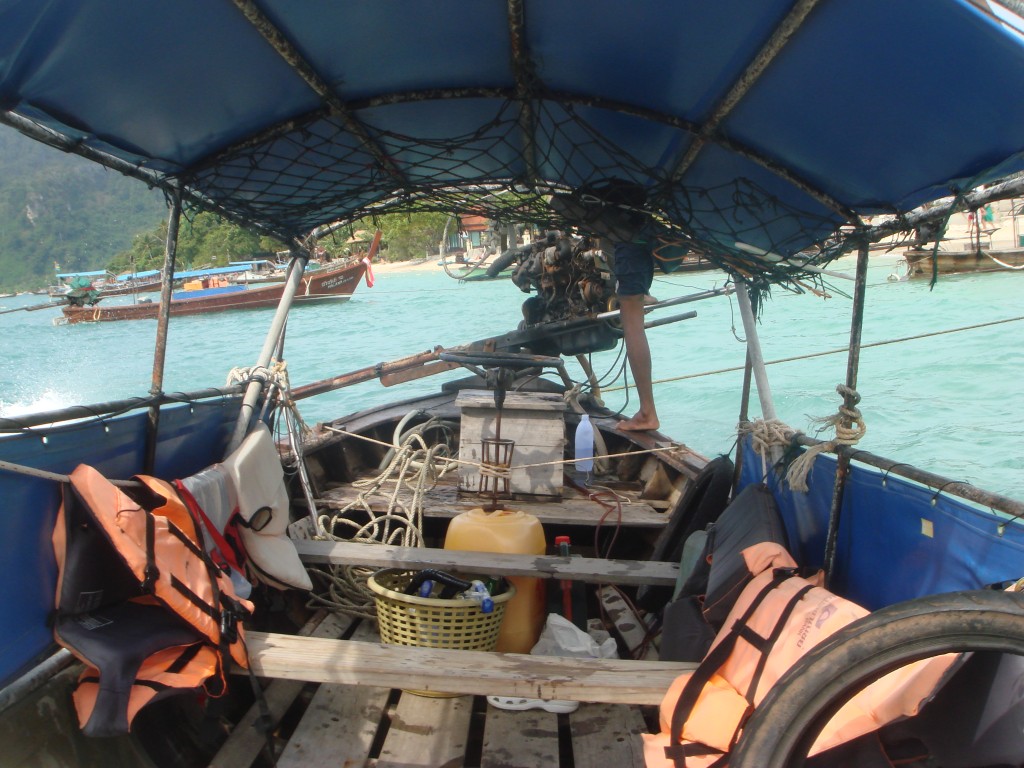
x,y
208,272
756,128
138,275
94,273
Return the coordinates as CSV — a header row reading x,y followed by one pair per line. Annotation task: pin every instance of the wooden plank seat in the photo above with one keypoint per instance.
x,y
591,570
348,662
445,501
363,722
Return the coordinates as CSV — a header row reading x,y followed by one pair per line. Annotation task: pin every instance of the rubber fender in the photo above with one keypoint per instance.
x,y
701,505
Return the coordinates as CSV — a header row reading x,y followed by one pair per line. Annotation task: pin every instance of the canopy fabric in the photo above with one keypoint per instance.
x,y
94,273
758,129
138,275
208,272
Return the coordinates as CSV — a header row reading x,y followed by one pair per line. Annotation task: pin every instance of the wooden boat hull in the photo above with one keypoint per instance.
x,y
322,285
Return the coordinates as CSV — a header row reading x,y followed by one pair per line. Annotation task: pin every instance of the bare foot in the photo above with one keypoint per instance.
x,y
639,423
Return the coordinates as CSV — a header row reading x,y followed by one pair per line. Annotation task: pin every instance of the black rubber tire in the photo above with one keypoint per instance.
x,y
782,729
502,261
702,503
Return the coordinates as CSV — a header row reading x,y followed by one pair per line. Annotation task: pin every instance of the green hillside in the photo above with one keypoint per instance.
x,y
60,208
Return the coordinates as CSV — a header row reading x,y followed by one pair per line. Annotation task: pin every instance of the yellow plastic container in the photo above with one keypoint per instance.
x,y
507,531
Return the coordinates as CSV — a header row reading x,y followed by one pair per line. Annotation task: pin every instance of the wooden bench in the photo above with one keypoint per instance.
x,y
591,570
445,501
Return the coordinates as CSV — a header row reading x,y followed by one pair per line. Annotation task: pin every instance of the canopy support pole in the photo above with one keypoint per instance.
x,y
526,79
255,387
744,416
764,390
850,400
162,324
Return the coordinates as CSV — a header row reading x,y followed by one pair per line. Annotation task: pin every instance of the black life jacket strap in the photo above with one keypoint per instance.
x,y
152,573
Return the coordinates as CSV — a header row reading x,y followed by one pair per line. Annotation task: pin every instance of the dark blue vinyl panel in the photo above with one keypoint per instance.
x,y
591,143
898,540
192,437
391,46
881,103
673,57
172,79
774,216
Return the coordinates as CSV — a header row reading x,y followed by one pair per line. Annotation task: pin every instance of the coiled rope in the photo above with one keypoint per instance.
x,y
414,467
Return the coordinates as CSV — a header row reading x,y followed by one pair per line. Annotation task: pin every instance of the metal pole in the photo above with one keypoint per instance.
x,y
744,412
255,387
162,324
850,401
764,390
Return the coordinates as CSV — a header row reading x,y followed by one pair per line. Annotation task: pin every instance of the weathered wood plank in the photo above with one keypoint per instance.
x,y
340,723
607,735
246,740
524,739
444,501
338,728
586,569
427,732
613,681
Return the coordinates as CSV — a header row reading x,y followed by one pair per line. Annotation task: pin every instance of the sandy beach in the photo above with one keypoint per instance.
x,y
416,265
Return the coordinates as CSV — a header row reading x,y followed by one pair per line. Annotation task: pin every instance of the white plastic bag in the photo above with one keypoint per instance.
x,y
560,637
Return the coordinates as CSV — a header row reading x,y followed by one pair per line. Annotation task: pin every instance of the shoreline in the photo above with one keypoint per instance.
x,y
429,264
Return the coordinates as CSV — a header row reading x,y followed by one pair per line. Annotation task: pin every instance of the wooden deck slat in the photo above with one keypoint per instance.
x,y
607,735
525,739
586,569
339,725
612,681
427,732
246,741
444,501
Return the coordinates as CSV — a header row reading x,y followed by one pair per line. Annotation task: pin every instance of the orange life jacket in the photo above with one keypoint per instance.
x,y
139,600
777,618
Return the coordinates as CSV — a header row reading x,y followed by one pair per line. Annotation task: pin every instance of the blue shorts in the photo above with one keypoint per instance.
x,y
634,269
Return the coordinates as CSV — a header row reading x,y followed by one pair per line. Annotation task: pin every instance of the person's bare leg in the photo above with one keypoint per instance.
x,y
638,352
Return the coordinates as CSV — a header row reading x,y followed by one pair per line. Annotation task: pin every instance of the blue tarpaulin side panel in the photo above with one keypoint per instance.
x,y
898,540
192,436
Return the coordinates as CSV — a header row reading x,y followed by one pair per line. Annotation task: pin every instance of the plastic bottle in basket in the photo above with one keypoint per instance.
x,y
512,532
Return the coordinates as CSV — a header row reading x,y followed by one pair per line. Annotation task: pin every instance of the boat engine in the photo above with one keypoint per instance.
x,y
571,279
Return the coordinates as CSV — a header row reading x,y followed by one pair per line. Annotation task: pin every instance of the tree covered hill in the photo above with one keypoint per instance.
x,y
57,208
60,209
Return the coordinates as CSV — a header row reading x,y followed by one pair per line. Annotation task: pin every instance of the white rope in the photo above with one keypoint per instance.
x,y
414,467
1003,263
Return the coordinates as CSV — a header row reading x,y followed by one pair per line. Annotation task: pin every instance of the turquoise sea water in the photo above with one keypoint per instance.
x,y
947,403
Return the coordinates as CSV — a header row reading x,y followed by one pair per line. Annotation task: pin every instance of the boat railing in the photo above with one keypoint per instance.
x,y
994,501
11,424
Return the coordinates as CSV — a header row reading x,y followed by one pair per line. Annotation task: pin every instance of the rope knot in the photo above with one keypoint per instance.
x,y
849,427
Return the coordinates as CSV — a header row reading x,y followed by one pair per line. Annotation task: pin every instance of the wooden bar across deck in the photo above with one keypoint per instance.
x,y
591,570
444,501
442,670
355,717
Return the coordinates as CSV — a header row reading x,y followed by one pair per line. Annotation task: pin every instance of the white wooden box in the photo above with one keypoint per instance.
x,y
534,420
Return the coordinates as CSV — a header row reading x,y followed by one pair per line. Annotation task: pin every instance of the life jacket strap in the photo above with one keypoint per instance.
x,y
151,572
718,655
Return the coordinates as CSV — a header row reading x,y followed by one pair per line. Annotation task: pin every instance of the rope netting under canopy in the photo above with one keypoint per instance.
x,y
319,170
